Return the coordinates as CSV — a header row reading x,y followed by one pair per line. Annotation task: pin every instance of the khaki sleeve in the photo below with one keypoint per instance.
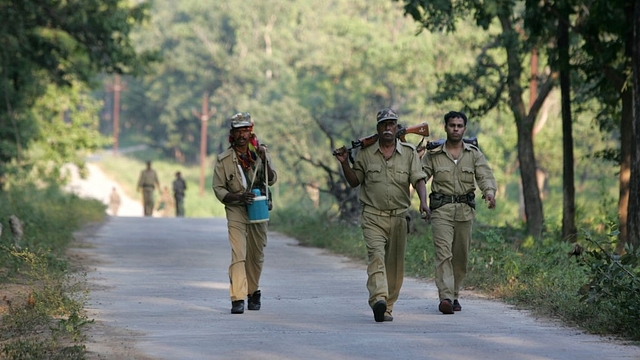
x,y
218,182
417,173
140,179
427,166
484,176
275,173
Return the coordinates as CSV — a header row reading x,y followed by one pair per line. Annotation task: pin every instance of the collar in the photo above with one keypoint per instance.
x,y
398,147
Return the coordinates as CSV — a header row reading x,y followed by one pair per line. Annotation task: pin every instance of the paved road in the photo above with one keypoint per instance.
x,y
98,186
160,291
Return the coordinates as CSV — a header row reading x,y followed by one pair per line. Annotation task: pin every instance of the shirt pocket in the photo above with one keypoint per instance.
x,y
374,174
442,174
234,182
467,175
402,176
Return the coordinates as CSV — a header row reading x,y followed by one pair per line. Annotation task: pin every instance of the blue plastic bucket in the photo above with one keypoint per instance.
x,y
258,210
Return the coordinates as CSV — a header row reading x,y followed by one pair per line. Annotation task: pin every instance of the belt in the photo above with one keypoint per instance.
x,y
436,200
454,198
148,186
374,211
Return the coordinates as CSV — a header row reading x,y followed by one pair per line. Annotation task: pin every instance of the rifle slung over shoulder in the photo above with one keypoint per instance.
x,y
420,129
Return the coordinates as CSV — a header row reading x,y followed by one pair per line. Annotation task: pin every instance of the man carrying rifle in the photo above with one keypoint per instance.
x,y
385,170
456,167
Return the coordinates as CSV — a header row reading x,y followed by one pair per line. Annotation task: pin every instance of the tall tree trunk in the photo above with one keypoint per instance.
x,y
524,124
633,220
526,158
569,229
626,139
628,116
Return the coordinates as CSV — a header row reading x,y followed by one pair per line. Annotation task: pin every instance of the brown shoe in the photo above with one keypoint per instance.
x,y
446,307
456,305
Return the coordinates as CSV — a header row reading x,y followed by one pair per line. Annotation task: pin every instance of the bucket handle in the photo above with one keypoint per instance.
x,y
266,176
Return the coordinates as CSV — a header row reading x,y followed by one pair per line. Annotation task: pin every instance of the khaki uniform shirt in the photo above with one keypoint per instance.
x,y
148,178
384,184
227,178
450,178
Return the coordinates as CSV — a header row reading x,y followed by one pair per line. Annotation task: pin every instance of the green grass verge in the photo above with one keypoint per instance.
x,y
42,310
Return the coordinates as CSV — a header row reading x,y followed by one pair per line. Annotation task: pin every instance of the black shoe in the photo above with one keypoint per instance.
x,y
254,301
456,306
237,307
446,307
379,308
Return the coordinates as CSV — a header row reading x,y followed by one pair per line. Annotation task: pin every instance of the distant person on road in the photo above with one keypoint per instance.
x,y
114,202
166,203
237,171
385,171
456,167
179,187
148,181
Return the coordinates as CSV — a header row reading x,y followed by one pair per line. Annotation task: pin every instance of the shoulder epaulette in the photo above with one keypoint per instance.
x,y
435,146
225,154
410,145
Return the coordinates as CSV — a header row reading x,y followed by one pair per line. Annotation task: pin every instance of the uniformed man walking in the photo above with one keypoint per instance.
x,y
114,201
179,187
456,167
147,182
245,166
385,171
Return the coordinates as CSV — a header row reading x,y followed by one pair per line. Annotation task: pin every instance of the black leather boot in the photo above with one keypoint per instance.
x,y
254,301
237,307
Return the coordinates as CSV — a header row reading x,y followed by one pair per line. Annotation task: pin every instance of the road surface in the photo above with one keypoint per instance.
x,y
159,290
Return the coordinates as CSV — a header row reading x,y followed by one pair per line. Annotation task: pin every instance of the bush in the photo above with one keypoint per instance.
x,y
613,284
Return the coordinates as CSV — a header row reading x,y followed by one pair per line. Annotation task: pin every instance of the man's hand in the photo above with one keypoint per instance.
x,y
341,154
490,200
425,212
246,197
262,151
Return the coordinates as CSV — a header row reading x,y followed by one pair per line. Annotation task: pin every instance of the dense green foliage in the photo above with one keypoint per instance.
x,y
614,283
309,97
49,51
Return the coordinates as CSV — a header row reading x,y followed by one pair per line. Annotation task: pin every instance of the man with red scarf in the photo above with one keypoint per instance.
x,y
237,171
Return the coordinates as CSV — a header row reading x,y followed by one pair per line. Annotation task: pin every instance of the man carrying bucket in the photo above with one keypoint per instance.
x,y
240,180
385,171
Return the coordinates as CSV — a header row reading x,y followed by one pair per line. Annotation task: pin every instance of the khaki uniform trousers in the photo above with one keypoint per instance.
x,y
451,240
386,239
147,200
247,257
